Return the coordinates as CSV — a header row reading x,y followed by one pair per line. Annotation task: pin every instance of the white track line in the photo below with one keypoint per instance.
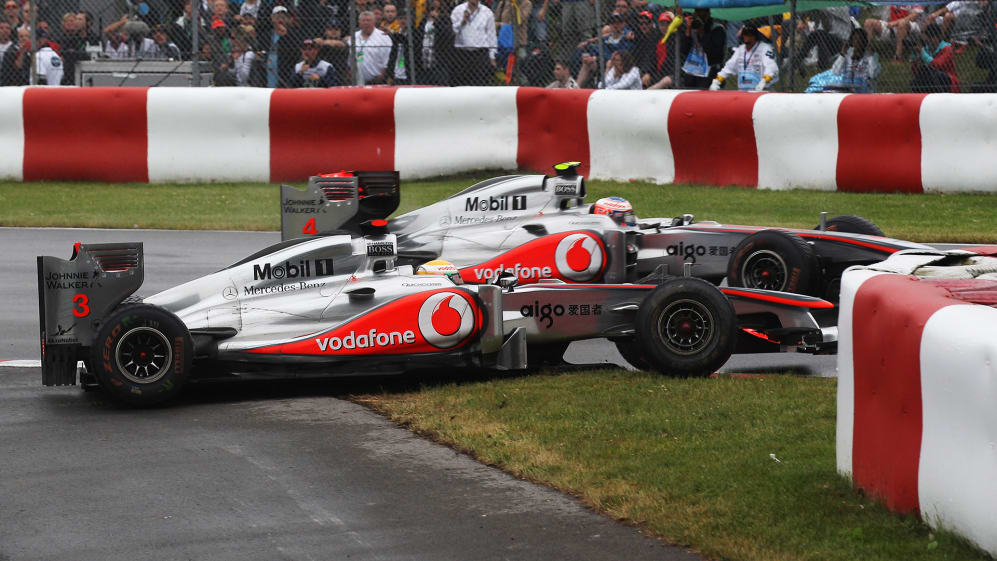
x,y
26,363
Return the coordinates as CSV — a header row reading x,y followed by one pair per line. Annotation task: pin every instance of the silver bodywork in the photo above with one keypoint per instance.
x,y
339,304
477,227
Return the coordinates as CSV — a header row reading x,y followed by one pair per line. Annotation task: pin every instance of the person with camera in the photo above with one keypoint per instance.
x,y
753,62
703,44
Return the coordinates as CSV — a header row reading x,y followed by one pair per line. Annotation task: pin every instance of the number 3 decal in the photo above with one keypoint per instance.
x,y
82,308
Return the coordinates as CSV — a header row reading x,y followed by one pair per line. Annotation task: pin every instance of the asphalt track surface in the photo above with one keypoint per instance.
x,y
249,470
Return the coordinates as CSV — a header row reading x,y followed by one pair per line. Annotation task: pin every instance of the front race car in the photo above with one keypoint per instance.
x,y
340,304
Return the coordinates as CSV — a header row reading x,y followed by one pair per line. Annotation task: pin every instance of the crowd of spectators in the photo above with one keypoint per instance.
x,y
612,44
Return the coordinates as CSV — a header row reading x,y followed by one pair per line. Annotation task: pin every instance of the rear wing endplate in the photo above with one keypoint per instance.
x,y
338,201
75,295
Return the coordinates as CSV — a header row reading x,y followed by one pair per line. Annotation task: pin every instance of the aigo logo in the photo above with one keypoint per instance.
x,y
579,257
446,319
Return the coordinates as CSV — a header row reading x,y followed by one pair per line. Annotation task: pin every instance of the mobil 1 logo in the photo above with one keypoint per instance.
x,y
495,204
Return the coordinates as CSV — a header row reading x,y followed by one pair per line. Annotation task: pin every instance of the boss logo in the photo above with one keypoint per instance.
x,y
565,190
380,249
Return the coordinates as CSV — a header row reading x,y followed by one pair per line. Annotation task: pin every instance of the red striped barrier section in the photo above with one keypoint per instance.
x,y
553,127
325,130
863,143
917,383
879,143
85,134
713,138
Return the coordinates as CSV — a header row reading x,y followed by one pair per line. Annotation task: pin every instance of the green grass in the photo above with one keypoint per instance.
x,y
964,218
689,461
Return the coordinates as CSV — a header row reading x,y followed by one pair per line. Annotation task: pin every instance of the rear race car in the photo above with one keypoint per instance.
x,y
538,226
340,304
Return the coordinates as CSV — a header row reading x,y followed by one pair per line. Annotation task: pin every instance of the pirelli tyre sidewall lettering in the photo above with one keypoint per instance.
x,y
142,355
426,322
578,256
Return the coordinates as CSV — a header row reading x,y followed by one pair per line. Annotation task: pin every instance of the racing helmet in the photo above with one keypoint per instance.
x,y
439,267
617,208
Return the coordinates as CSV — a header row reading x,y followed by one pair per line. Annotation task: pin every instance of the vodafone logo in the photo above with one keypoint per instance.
x,y
578,257
446,319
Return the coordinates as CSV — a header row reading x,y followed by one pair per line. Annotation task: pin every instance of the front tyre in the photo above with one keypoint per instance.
x,y
142,355
686,327
774,260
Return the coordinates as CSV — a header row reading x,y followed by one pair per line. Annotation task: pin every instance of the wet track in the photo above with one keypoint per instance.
x,y
260,470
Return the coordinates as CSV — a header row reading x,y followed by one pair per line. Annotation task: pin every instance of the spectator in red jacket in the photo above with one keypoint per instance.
x,y
935,70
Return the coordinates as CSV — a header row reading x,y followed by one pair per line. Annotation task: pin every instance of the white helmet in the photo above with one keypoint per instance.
x,y
617,208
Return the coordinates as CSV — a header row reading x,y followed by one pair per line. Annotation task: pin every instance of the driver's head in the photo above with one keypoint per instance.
x,y
617,208
441,268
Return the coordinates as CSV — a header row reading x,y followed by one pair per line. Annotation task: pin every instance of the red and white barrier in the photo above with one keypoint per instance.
x,y
905,142
917,383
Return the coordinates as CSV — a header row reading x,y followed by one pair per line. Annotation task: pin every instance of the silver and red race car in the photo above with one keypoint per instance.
x,y
340,304
537,226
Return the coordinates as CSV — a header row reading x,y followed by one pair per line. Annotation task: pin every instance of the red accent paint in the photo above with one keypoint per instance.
x,y
887,323
553,127
879,143
86,134
335,128
786,300
877,247
310,227
398,316
703,125
446,320
337,174
379,222
532,258
578,257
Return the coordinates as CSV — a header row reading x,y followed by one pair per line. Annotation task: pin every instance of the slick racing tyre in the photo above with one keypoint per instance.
x,y
686,327
852,225
774,260
142,355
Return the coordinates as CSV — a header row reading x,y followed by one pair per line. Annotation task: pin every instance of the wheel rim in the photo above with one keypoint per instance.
x,y
686,327
764,269
143,355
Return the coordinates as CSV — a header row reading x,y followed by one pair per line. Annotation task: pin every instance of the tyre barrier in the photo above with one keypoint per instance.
x,y
892,142
917,383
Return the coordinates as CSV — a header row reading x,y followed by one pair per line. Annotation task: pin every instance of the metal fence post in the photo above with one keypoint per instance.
x,y
195,55
33,69
601,70
409,31
792,45
352,11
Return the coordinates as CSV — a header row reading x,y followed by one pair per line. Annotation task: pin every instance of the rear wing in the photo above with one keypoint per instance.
x,y
74,296
338,201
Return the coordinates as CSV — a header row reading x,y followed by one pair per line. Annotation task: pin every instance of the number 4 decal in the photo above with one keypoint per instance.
x,y
309,227
82,308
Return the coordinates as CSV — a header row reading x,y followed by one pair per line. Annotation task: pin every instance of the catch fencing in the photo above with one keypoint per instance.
x,y
599,44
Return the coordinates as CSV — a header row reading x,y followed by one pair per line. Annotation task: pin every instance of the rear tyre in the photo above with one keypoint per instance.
x,y
142,355
686,327
852,225
775,260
